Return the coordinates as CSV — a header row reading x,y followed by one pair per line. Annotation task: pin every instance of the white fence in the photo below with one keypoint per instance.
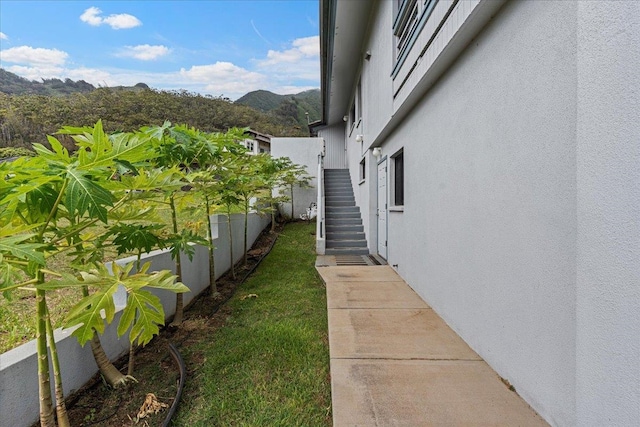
x,y
18,367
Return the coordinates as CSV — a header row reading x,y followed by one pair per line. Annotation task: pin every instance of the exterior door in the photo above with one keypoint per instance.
x,y
382,208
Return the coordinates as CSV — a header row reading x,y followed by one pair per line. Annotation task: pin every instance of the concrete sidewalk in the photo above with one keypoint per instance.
x,y
394,362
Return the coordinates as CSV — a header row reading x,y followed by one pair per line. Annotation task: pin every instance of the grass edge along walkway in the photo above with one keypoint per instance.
x,y
269,364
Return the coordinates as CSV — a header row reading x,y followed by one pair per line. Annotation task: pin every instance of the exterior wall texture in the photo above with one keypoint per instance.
x,y
335,157
487,236
608,228
522,198
302,151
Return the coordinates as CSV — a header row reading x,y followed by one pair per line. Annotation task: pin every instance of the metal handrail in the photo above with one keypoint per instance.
x,y
320,220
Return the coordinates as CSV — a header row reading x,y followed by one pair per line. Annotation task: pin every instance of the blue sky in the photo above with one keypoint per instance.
x,y
212,47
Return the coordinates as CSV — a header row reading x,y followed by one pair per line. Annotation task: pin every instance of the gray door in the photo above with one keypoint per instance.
x,y
382,208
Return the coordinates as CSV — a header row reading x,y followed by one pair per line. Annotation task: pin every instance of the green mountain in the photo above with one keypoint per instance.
x,y
13,84
29,110
290,108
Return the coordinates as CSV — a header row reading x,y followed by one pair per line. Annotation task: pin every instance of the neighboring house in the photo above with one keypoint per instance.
x,y
505,188
257,142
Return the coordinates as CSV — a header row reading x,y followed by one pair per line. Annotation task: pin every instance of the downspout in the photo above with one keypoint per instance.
x,y
320,222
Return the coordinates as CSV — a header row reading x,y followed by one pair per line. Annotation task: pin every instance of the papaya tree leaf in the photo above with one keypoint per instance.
x,y
16,246
84,195
143,314
183,242
136,238
91,312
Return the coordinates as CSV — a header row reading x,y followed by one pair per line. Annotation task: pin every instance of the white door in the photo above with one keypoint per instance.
x,y
382,208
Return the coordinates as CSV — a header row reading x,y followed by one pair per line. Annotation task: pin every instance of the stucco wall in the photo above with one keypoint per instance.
x,y
302,151
488,232
608,228
335,157
18,367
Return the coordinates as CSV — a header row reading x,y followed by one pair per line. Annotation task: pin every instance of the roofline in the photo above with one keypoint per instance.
x,y
327,22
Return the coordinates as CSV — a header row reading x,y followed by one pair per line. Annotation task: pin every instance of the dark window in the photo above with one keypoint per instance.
x,y
363,169
398,179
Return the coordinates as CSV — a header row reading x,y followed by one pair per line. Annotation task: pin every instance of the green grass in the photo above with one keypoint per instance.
x,y
269,364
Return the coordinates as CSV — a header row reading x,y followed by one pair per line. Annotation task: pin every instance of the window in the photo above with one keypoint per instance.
x,y
363,169
359,101
405,24
352,116
411,15
398,178
355,113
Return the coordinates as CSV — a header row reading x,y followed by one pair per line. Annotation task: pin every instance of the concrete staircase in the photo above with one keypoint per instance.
x,y
344,230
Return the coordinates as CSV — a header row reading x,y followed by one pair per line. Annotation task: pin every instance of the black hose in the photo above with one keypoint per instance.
x,y
183,375
178,358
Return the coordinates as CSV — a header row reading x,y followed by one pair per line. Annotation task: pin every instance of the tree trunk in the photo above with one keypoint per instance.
x,y
61,408
233,269
132,359
177,318
291,189
111,375
47,418
273,217
246,225
212,261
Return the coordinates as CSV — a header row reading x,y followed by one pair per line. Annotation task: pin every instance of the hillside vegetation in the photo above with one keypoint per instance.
x,y
13,84
286,107
30,110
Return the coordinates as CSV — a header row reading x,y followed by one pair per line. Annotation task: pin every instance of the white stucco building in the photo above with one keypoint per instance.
x,y
506,186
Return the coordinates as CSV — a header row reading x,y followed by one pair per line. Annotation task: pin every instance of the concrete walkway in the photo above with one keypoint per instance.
x,y
394,362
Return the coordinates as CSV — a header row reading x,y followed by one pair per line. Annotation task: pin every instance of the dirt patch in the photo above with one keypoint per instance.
x,y
96,404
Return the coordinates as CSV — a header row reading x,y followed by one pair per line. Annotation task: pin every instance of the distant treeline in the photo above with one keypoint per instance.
x,y
28,118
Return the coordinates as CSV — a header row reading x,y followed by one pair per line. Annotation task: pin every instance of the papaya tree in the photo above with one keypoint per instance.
x,y
293,175
49,204
178,153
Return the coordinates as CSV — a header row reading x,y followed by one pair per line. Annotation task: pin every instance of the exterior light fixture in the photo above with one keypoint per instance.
x,y
359,138
345,118
377,152
367,55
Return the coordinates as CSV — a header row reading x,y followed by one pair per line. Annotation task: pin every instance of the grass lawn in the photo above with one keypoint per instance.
x,y
269,364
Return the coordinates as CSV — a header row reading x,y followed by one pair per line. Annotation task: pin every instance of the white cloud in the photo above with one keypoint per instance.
x,y
299,62
303,48
3,36
36,73
144,52
33,56
224,78
92,16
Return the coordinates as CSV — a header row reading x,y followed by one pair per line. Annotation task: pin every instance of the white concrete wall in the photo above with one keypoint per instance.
x,y
608,226
335,156
377,89
302,151
522,200
488,231
18,367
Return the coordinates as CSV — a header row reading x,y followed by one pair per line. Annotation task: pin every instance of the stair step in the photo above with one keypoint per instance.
x,y
337,185
342,209
339,203
346,251
346,243
346,235
343,221
347,190
329,199
344,228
